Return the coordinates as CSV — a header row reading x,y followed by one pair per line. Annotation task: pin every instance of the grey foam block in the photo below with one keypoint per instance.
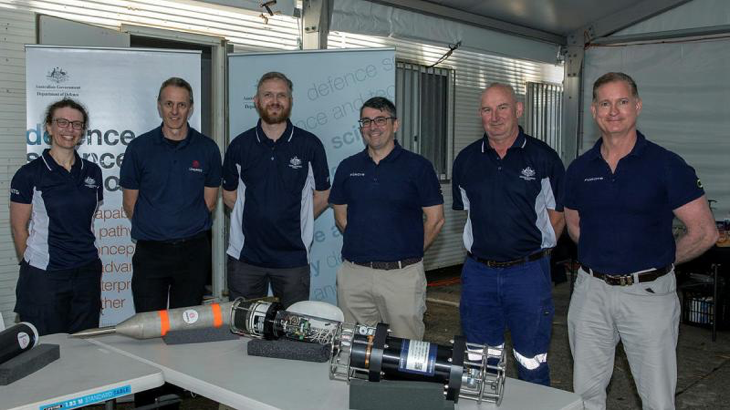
x,y
199,335
290,350
28,362
402,395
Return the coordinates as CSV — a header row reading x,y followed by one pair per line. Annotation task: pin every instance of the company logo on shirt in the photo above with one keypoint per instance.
x,y
592,179
195,167
90,183
14,191
357,174
295,163
528,174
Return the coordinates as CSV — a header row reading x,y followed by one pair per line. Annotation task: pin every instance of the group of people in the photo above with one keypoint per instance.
x,y
618,201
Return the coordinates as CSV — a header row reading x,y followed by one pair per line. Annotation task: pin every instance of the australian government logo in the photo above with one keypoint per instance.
x,y
528,174
58,85
58,75
90,183
295,163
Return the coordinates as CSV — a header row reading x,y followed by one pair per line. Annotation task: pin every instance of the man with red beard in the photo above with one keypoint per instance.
x,y
276,181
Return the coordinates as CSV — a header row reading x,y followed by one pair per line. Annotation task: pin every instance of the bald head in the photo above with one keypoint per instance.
x,y
502,87
500,112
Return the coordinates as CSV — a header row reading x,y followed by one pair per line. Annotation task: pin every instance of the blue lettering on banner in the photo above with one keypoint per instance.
x,y
89,399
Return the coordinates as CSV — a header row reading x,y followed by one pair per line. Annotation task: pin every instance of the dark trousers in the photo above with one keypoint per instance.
x,y
177,269
290,285
518,298
61,301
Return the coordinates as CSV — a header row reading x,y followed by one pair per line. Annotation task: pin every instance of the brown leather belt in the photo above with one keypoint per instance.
x,y
514,262
389,265
626,280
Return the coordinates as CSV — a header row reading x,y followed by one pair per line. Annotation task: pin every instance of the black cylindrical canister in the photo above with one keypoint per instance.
x,y
17,339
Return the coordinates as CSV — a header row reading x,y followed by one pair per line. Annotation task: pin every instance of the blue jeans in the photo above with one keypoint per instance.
x,y
518,298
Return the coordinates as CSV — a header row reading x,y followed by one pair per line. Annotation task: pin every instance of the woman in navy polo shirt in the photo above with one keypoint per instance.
x,y
52,204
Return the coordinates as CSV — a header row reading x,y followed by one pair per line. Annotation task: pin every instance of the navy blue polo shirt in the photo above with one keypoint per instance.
x,y
64,203
507,199
272,223
626,216
384,204
171,179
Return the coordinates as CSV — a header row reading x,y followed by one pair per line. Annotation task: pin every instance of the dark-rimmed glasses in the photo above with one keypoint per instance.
x,y
63,123
379,121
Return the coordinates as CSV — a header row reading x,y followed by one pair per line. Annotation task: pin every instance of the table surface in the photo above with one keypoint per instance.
x,y
84,373
224,372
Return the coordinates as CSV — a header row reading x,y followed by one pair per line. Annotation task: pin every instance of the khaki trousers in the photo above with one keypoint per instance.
x,y
397,297
645,317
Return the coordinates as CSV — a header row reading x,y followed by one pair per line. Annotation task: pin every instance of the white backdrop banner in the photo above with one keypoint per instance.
x,y
119,89
330,86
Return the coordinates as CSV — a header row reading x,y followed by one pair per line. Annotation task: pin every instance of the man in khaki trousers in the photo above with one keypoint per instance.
x,y
380,197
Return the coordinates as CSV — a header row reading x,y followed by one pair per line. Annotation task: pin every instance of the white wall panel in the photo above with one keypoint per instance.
x,y
235,25
17,28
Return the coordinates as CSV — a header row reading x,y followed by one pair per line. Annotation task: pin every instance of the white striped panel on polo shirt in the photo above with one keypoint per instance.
x,y
36,254
306,211
545,200
468,234
236,238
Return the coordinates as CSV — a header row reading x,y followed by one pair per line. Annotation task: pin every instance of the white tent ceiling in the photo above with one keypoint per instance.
x,y
548,20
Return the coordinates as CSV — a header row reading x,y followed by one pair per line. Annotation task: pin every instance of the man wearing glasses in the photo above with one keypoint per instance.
x,y
380,197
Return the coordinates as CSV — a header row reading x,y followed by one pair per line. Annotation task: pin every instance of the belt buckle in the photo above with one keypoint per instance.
x,y
626,280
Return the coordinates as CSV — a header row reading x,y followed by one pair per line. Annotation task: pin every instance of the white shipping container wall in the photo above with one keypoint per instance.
x,y
17,28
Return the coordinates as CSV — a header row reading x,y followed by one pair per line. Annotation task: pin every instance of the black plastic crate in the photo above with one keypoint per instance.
x,y
699,309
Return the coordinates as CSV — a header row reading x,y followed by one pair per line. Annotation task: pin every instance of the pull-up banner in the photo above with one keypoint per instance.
x,y
330,86
119,89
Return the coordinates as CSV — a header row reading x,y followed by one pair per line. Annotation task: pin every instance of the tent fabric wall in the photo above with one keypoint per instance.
x,y
473,71
18,29
685,88
695,14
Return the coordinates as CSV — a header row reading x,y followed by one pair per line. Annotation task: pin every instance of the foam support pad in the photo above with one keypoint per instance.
x,y
212,334
402,395
29,362
290,350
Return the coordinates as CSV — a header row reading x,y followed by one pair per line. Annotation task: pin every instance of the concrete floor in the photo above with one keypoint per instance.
x,y
704,366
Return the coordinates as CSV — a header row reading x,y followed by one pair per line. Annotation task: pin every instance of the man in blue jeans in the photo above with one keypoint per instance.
x,y
508,182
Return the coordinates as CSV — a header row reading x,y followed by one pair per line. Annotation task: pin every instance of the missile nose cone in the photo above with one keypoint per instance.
x,y
94,332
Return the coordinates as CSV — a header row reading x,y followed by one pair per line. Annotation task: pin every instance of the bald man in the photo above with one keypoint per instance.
x,y
508,183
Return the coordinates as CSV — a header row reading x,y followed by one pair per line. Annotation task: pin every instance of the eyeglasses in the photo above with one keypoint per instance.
x,y
63,123
379,121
